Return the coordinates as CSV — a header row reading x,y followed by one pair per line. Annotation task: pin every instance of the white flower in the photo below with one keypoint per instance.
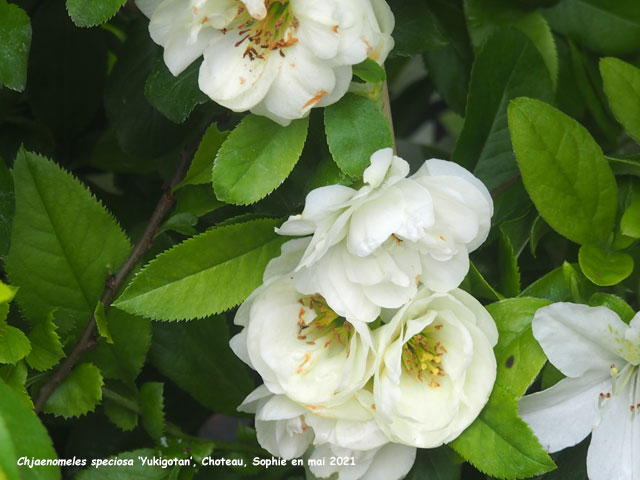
x,y
600,356
388,462
278,58
372,246
298,345
438,368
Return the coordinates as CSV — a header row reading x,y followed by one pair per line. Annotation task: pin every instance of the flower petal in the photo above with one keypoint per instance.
x,y
391,462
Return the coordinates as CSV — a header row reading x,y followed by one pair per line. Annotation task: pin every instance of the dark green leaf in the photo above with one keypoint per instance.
x,y
416,29
15,41
476,285
90,13
622,86
151,398
508,66
435,464
216,378
64,244
625,165
200,169
78,394
256,158
207,274
508,265
564,171
604,267
175,97
7,207
355,129
130,468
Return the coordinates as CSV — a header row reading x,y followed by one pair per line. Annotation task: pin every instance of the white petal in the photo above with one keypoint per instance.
x,y
442,276
182,47
615,443
259,395
564,414
238,344
391,462
148,6
256,8
290,256
279,407
376,172
483,318
577,338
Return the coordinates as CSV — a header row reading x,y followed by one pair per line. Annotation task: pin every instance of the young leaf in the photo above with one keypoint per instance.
x,y
518,354
79,392
200,169
46,349
15,376
152,408
174,97
216,379
15,41
501,444
90,14
602,267
622,86
564,171
630,222
256,158
22,435
14,345
63,243
355,130
370,71
101,322
7,293
204,275
508,265
508,66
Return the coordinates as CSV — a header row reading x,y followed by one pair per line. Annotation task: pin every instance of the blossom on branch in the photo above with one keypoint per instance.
x,y
277,58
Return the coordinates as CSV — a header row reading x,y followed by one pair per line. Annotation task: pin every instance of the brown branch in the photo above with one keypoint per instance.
x,y
506,185
386,109
88,338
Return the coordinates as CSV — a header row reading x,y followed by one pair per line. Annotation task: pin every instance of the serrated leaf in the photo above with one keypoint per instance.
x,y
622,86
204,275
216,378
508,266
151,399
14,344
602,267
630,222
613,302
355,129
257,156
475,284
369,71
564,171
15,41
518,354
501,444
91,13
46,348
22,434
101,322
174,97
202,163
63,243
130,468
15,376
78,394
124,358
508,66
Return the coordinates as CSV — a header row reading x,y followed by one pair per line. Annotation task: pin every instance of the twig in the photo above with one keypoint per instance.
x,y
505,186
88,338
386,109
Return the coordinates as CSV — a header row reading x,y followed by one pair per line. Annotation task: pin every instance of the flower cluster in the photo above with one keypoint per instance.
x,y
277,58
366,346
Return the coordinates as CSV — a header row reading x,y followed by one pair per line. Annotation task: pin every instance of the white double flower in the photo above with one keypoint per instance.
x,y
277,58
372,247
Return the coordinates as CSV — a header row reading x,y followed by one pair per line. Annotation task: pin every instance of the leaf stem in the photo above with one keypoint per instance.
x,y
88,337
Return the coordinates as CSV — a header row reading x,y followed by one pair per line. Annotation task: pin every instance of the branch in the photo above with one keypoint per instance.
x,y
386,109
506,185
88,338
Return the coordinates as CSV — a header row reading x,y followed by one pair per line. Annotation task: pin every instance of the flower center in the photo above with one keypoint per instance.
x,y
317,321
261,36
422,356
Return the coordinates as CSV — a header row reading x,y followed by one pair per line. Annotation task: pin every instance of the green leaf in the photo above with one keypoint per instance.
x,y
14,345
256,158
46,349
7,292
216,378
518,354
484,17
501,444
508,66
605,27
200,169
416,29
22,435
630,222
625,165
613,302
120,404
577,283
63,243
7,207
152,408
564,171
553,286
475,284
79,392
197,200
369,71
130,468
622,86
435,464
206,274
174,97
124,358
550,376
602,267
15,376
15,41
101,322
355,130
91,13
508,266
